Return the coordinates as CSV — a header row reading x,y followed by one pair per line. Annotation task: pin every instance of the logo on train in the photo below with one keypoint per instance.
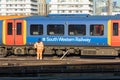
x,y
66,39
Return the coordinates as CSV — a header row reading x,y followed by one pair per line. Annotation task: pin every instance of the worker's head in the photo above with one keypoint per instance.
x,y
39,40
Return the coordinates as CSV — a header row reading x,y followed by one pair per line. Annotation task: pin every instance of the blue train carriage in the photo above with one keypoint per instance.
x,y
82,35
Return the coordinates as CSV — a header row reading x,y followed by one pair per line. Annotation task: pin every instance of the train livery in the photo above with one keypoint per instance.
x,y
77,34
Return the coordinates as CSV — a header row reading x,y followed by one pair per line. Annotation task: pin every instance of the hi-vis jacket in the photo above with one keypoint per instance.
x,y
39,46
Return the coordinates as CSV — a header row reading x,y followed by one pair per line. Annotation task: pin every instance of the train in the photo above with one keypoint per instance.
x,y
81,34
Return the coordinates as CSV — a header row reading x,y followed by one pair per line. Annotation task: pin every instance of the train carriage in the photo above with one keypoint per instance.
x,y
82,35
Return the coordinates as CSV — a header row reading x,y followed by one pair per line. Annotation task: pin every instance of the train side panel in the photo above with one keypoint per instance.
x,y
66,39
1,32
33,37
75,44
93,39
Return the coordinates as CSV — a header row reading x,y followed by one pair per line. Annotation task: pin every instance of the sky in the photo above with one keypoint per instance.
x,y
47,1
118,2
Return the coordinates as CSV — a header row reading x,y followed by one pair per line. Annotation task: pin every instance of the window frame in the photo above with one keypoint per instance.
x,y
80,25
54,32
9,28
38,32
93,33
115,29
19,28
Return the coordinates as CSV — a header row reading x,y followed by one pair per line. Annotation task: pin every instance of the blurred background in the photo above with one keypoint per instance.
x,y
45,7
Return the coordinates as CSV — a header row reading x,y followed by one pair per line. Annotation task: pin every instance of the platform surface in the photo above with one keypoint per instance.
x,y
32,61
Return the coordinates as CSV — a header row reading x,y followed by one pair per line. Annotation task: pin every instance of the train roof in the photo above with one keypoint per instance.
x,y
73,17
65,17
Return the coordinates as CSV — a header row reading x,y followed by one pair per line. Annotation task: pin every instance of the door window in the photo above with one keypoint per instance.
x,y
9,31
115,29
19,28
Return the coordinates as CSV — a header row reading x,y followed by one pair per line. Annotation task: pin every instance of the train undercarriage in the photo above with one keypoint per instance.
x,y
60,50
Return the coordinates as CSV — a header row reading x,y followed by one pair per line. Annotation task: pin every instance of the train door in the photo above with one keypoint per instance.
x,y
14,32
115,33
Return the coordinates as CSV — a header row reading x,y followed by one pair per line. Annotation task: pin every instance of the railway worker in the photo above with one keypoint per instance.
x,y
39,46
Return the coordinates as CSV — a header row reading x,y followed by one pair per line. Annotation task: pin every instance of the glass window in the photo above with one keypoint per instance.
x,y
55,29
96,30
79,30
115,29
36,29
19,28
9,32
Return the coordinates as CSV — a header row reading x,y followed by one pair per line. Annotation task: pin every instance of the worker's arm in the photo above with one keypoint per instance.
x,y
43,45
35,45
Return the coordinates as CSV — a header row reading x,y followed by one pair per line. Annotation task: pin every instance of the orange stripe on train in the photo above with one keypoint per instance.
x,y
11,17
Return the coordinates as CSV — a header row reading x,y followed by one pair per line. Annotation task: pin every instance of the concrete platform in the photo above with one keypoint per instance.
x,y
48,65
31,61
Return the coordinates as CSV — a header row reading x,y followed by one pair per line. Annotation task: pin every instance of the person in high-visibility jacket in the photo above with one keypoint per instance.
x,y
39,46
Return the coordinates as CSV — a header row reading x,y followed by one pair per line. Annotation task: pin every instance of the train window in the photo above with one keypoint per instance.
x,y
96,30
79,30
115,29
9,31
55,29
36,29
19,28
